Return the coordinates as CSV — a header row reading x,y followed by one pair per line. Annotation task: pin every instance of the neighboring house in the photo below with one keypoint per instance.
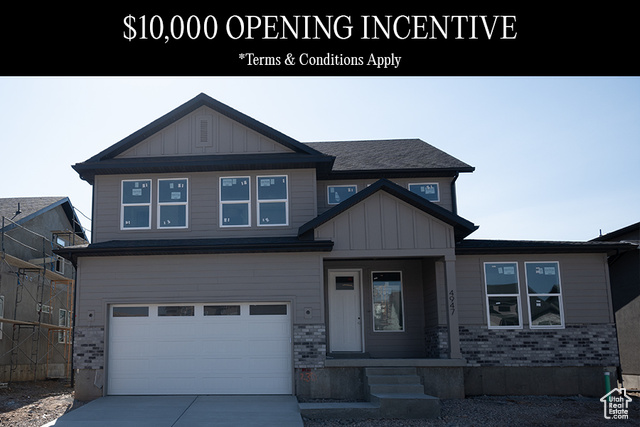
x,y
624,270
227,257
36,287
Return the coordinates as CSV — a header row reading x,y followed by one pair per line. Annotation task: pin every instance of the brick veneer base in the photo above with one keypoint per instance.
x,y
574,345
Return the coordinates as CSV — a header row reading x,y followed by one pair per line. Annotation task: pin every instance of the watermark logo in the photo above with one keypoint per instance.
x,y
616,404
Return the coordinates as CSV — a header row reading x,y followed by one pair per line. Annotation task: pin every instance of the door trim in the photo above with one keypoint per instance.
x,y
331,274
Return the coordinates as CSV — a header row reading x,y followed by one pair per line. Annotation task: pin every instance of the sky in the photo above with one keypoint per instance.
x,y
556,158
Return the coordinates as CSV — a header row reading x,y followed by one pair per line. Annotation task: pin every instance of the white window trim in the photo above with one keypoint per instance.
x,y
258,201
185,203
231,202
426,183
329,187
373,319
517,295
559,295
437,185
122,204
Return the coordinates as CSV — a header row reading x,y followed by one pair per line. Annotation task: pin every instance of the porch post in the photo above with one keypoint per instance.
x,y
452,308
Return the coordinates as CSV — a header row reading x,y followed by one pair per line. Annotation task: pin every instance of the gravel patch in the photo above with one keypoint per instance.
x,y
501,411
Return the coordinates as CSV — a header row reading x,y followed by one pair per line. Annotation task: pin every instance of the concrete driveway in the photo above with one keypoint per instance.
x,y
185,411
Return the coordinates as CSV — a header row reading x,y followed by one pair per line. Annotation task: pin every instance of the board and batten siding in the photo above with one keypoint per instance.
x,y
584,281
204,132
444,189
203,206
384,224
286,277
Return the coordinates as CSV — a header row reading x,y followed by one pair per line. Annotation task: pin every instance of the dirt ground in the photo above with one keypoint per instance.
x,y
35,403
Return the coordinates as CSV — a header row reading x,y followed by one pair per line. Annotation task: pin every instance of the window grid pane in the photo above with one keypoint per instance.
x,y
235,206
388,313
427,190
503,295
339,193
272,200
172,203
544,294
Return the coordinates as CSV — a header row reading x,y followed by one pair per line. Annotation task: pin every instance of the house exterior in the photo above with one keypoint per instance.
x,y
229,258
624,269
36,287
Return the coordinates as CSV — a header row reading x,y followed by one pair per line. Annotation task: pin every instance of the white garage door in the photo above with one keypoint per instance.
x,y
200,349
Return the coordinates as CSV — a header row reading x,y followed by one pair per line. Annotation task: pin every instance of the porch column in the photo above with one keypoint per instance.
x,y
452,308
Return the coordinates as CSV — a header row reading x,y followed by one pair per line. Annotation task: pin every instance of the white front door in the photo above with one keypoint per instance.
x,y
345,305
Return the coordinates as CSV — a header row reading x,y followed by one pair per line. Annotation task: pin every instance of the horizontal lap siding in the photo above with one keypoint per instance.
x,y
200,278
203,206
584,281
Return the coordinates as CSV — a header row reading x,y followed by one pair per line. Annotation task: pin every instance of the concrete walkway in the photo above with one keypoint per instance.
x,y
185,411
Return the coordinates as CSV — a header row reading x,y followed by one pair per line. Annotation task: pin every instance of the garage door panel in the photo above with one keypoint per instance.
x,y
220,349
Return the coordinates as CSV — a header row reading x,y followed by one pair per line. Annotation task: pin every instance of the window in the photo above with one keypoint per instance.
x,y
544,294
63,320
339,193
427,190
172,203
268,310
503,295
136,205
273,203
235,205
387,302
222,310
59,265
175,310
130,311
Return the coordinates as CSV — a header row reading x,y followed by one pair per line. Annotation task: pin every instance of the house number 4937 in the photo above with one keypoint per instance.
x,y
452,302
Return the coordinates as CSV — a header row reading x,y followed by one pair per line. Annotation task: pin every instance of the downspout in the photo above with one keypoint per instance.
x,y
454,198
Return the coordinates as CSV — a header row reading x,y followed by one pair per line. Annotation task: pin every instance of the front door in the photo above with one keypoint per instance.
x,y
345,305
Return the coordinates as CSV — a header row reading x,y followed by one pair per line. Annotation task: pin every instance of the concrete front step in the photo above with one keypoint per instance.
x,y
396,388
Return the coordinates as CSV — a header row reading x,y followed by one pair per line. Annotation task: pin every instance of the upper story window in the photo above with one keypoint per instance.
x,y
503,295
172,203
339,193
429,191
273,200
544,294
136,204
235,202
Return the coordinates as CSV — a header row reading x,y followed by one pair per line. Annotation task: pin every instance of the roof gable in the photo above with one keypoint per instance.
x,y
202,134
462,227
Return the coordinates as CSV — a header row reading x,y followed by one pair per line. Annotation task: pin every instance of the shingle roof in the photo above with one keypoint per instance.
x,y
30,207
390,154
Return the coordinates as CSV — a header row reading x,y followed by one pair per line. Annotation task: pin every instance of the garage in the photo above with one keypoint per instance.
x,y
230,348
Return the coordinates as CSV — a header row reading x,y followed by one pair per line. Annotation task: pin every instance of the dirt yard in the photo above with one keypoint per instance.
x,y
34,403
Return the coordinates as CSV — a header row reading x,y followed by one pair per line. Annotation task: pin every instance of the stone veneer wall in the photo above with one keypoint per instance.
x,y
309,346
574,345
88,348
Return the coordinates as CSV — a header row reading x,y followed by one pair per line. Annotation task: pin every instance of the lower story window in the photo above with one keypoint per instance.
x,y
544,294
503,295
387,302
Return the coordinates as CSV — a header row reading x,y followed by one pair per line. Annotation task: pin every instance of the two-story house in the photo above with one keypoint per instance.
x,y
36,287
229,258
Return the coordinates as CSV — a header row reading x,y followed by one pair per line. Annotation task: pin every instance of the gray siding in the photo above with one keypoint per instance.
x,y
444,185
585,287
382,224
204,131
203,207
200,278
